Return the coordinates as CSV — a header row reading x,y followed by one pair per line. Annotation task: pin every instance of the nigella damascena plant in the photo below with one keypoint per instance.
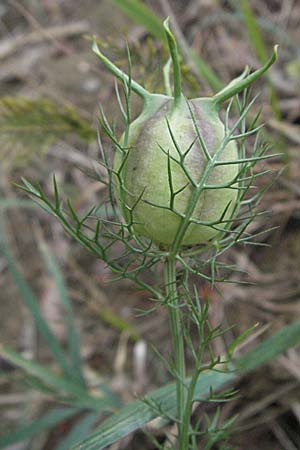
x,y
177,168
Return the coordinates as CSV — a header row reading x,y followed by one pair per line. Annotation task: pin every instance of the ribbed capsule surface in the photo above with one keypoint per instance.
x,y
154,171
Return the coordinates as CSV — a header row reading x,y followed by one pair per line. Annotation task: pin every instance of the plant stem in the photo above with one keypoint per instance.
x,y
177,340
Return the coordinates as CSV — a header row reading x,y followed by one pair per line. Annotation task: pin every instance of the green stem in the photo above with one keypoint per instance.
x,y
177,339
189,401
175,61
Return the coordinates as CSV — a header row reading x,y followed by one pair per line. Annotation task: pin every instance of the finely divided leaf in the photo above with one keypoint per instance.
x,y
138,413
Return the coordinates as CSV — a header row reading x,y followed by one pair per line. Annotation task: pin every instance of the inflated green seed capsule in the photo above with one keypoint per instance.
x,y
168,181
152,175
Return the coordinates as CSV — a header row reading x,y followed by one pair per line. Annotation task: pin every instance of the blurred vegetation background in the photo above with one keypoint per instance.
x,y
59,311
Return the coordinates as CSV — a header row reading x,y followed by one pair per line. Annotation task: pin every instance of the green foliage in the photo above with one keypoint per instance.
x,y
149,58
143,15
31,302
254,31
66,385
258,44
103,236
138,254
48,421
139,413
81,428
29,126
100,235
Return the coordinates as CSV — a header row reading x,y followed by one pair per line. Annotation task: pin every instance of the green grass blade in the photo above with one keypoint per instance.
x,y
254,31
46,422
143,15
258,44
73,341
78,431
269,349
61,385
137,414
31,302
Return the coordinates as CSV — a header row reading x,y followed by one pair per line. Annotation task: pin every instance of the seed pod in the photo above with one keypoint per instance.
x,y
152,175
170,184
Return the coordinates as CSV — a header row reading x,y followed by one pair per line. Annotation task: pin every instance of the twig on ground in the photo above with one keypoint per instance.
x,y
11,45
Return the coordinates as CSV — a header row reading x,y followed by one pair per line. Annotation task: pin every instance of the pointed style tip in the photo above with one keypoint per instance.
x,y
243,81
175,60
166,23
122,76
95,47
